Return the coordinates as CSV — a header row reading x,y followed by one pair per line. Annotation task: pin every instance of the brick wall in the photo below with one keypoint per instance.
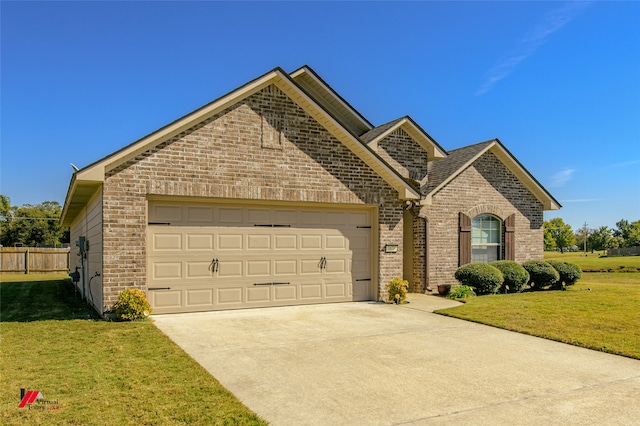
x,y
263,148
399,146
485,187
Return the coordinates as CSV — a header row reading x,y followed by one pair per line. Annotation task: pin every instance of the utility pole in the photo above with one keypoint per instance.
x,y
585,234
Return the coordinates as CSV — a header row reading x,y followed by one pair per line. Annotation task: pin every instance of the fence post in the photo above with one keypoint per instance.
x,y
26,262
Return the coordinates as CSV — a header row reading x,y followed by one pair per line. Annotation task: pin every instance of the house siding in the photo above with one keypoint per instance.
x,y
487,186
89,224
262,148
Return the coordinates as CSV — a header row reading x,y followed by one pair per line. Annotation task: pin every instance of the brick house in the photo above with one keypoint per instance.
x,y
281,193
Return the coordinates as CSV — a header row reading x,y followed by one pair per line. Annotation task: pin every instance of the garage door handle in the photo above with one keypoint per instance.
x,y
364,279
159,288
323,262
213,266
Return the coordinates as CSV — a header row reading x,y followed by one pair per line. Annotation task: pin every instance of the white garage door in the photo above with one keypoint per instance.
x,y
210,257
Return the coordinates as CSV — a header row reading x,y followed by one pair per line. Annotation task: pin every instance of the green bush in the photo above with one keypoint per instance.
x,y
132,305
397,287
515,276
460,292
484,278
569,273
541,274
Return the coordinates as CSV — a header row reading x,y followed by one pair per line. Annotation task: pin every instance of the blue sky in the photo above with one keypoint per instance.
x,y
557,82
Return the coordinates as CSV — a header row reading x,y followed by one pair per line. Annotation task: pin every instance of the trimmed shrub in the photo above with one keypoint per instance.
x,y
397,290
515,276
132,305
484,278
541,274
569,273
460,292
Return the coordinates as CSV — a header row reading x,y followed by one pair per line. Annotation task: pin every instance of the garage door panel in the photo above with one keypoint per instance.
x,y
336,266
258,268
258,294
166,300
198,270
285,293
230,216
336,289
167,242
230,269
277,263
196,242
229,295
230,241
199,215
335,242
311,292
285,242
310,267
258,241
167,270
200,297
285,267
311,242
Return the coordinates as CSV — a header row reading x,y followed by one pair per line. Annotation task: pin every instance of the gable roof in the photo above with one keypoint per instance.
x,y
87,180
444,171
406,123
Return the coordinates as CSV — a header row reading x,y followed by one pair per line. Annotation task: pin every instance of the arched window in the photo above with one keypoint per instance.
x,y
486,238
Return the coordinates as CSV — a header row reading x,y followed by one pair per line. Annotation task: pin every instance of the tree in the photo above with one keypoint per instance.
x,y
30,225
601,238
549,242
629,232
561,233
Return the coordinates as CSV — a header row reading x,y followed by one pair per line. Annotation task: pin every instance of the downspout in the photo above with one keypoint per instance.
x,y
410,206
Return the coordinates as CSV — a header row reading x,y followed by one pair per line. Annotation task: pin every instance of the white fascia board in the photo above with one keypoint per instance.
x,y
330,92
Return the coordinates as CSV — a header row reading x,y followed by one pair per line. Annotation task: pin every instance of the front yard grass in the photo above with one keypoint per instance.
x,y
600,312
99,372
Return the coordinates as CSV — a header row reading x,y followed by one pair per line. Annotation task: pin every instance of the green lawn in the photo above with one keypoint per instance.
x,y
99,372
596,262
600,312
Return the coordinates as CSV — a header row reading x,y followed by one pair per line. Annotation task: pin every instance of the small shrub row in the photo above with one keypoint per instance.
x,y
508,276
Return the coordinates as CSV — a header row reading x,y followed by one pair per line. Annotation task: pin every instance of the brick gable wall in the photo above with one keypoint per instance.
x,y
399,146
263,148
485,187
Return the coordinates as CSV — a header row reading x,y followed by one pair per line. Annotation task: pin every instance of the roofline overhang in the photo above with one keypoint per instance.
x,y
93,175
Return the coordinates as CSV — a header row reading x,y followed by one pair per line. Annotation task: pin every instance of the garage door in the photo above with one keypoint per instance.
x,y
210,257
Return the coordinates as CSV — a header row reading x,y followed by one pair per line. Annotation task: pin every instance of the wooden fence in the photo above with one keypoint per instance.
x,y
627,251
34,260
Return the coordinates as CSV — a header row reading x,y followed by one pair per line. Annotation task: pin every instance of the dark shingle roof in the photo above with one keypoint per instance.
x,y
441,170
377,131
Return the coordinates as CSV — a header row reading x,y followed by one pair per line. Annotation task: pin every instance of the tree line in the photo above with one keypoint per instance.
x,y
559,236
31,225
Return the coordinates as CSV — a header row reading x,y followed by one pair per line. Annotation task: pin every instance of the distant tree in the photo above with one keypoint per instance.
x,y
601,238
561,233
30,225
629,232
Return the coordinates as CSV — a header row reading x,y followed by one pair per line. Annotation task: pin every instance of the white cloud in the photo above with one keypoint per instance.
x,y
581,200
562,177
527,46
623,164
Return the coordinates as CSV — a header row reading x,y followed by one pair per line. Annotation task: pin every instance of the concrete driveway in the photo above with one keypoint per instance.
x,y
376,364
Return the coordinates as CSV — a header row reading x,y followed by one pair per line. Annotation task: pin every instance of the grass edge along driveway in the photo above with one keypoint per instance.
x,y
600,312
99,372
